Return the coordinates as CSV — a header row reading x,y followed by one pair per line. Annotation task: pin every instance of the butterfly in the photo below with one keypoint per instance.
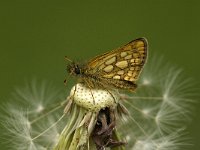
x,y
118,69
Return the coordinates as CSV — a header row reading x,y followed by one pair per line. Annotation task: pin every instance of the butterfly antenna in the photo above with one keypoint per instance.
x,y
66,78
67,59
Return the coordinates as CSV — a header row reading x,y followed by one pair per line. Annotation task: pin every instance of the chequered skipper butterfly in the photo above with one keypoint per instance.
x,y
117,69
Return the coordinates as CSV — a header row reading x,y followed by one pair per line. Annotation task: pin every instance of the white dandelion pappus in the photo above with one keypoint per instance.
x,y
159,110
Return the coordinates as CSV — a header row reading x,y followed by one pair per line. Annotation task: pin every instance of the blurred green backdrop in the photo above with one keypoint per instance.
x,y
36,35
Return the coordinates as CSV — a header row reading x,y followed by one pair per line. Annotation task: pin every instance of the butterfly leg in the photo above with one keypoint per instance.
x,y
89,84
112,96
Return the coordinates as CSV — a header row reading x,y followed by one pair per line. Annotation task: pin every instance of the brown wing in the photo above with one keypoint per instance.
x,y
124,63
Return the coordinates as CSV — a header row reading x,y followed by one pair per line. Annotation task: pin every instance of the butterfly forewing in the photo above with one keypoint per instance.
x,y
124,63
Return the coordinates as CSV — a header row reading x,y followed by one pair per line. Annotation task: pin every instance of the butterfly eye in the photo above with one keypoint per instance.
x,y
77,70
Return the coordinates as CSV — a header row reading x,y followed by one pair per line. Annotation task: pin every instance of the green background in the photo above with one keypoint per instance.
x,y
36,35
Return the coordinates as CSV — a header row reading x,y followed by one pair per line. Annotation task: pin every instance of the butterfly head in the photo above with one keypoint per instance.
x,y
74,69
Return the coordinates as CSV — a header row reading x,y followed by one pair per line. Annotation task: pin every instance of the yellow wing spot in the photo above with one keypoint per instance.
x,y
127,47
137,68
128,57
126,78
141,51
132,64
130,73
142,55
140,44
123,54
122,64
116,77
110,61
137,61
101,67
132,60
141,48
135,55
131,79
132,68
109,75
108,68
121,72
135,74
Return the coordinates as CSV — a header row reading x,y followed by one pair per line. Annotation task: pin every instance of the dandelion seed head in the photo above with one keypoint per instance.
x,y
128,138
143,145
165,97
40,108
146,81
145,111
93,99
